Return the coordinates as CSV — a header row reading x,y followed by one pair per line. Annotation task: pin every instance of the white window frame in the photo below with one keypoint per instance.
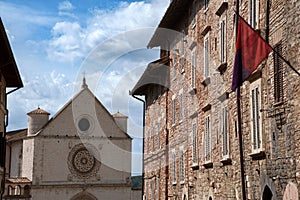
x,y
256,119
254,13
207,139
153,140
173,110
182,53
225,132
174,65
180,98
181,165
195,144
194,14
193,68
173,164
206,56
223,43
158,133
206,3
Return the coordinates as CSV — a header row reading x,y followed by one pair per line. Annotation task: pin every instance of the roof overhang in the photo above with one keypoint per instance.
x,y
156,73
8,66
174,13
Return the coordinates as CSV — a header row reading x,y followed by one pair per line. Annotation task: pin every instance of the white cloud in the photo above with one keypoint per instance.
x,y
103,24
65,5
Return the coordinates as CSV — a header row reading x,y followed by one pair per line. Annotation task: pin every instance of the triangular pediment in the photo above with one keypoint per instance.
x,y
83,116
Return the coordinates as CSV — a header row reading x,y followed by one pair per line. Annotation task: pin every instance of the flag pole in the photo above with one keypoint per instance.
x,y
287,62
238,100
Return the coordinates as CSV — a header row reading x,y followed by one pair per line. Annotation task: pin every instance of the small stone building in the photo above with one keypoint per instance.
x,y
82,152
191,142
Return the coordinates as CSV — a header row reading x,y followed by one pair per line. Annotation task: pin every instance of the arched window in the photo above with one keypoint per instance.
x,y
26,190
17,190
267,195
10,190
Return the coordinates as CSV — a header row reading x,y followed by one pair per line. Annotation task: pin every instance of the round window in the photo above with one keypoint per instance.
x,y
84,124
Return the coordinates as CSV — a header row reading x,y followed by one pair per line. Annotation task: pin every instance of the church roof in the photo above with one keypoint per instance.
x,y
39,112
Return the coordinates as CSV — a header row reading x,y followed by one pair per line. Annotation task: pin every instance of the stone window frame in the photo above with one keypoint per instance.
x,y
181,165
225,133
254,13
173,164
193,67
256,117
173,114
181,107
206,52
207,146
195,159
223,40
158,133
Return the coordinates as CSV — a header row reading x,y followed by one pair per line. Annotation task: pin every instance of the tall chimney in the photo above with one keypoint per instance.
x,y
36,120
121,121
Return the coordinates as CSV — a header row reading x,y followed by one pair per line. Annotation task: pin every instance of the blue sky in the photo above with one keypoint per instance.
x,y
55,42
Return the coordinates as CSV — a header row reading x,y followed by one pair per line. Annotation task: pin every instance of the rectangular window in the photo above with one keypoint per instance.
x,y
207,139
180,107
206,4
147,190
173,164
181,164
195,146
173,111
256,135
182,52
158,134
222,41
225,132
194,10
253,9
152,188
157,188
153,140
278,75
175,66
206,57
193,69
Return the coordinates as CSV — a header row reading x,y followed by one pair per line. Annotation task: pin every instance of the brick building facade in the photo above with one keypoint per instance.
x,y
191,143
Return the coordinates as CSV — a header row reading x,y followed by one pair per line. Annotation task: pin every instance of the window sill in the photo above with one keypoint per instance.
x,y
181,182
226,161
258,155
174,183
193,91
277,104
206,30
208,165
222,68
206,81
206,107
222,8
195,166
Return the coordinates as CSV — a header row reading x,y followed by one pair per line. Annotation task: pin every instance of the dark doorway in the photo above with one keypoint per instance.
x,y
267,195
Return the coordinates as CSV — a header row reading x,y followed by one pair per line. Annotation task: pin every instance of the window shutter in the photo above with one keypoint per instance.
x,y
278,75
225,133
207,135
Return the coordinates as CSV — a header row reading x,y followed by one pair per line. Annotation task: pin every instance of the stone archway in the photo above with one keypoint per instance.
x,y
267,194
84,196
291,192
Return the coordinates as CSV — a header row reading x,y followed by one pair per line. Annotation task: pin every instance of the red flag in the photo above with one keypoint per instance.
x,y
251,50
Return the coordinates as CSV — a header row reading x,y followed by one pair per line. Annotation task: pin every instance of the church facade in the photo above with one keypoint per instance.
x,y
83,152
